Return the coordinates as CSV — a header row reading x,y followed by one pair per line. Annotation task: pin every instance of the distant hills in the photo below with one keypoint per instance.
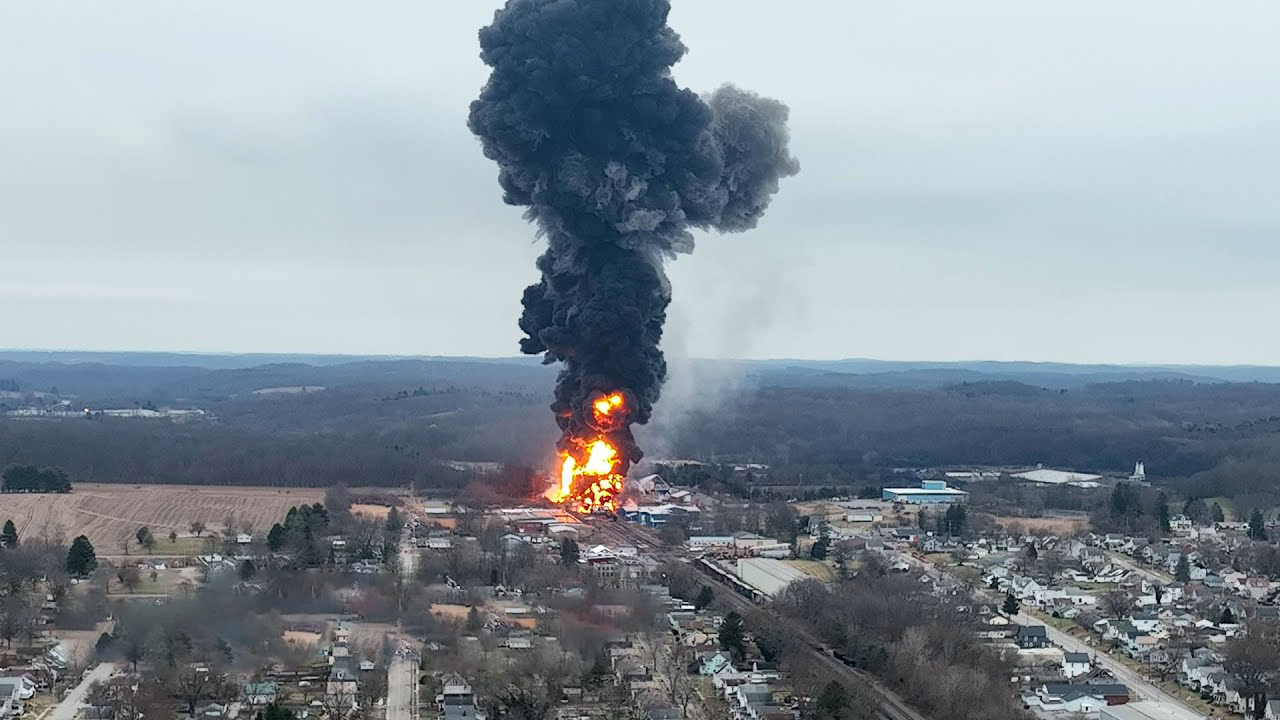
x,y
199,378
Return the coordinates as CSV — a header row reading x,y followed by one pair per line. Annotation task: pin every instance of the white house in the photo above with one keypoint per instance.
x,y
1075,664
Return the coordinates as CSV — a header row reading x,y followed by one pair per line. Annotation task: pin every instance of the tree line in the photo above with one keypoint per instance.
x,y
32,479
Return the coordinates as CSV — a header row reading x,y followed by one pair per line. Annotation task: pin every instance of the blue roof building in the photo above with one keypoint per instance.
x,y
930,492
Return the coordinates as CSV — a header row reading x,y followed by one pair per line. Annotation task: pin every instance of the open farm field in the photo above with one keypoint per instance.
x,y
1061,526
108,514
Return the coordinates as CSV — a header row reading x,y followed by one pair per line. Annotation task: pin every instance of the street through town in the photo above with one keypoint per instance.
x,y
402,688
75,700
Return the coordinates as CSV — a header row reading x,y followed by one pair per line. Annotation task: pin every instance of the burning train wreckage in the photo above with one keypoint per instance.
x,y
616,165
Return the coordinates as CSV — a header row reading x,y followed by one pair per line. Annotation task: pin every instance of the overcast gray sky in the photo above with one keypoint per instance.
x,y
1084,181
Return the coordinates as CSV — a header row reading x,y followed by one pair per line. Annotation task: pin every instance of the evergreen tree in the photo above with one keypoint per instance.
x,y
474,621
922,519
569,552
1227,617
1216,514
1162,513
9,536
1011,605
1257,526
394,522
705,597
1182,571
819,549
1125,502
831,702
733,634
276,536
145,538
1196,511
248,569
954,520
81,559
275,712
104,643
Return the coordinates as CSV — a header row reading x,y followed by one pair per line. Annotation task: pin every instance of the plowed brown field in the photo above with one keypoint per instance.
x,y
110,513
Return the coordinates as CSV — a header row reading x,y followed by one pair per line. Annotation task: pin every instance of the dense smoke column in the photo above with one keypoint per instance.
x,y
616,164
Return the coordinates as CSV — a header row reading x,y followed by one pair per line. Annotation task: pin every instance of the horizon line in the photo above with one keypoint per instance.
x,y
781,359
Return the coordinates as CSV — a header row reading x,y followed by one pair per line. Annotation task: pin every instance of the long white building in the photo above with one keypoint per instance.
x,y
771,577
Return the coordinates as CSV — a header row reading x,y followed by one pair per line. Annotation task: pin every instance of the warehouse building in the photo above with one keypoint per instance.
x,y
1046,476
930,492
771,577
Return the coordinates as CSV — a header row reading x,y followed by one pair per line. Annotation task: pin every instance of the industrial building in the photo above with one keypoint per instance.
x,y
1045,476
654,516
771,577
739,544
930,492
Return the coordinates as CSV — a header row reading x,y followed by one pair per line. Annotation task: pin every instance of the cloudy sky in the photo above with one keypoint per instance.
x,y
1083,181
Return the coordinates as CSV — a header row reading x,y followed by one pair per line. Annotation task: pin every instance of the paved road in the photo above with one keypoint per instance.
x,y
1138,684
1128,563
401,689
408,556
74,701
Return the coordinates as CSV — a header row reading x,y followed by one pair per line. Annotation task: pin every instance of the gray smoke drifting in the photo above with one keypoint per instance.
x,y
616,165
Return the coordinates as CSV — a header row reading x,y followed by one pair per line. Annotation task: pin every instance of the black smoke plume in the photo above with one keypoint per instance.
x,y
616,164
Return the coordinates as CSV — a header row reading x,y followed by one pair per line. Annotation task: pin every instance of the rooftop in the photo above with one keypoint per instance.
x,y
1056,477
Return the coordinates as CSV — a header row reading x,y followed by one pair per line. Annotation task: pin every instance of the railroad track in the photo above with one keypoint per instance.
x,y
891,705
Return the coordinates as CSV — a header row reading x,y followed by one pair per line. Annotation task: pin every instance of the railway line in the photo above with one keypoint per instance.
x,y
745,599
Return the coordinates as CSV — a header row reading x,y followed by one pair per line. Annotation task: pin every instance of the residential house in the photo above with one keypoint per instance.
x,y
1075,665
758,701
27,684
1077,697
342,683
997,627
1032,637
456,700
260,693
715,664
11,704
1146,622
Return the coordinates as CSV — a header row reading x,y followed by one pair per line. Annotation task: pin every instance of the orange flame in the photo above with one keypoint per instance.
x,y
603,408
594,484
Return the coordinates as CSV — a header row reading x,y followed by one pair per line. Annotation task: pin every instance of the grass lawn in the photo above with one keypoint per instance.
x,y
167,582
1187,696
182,546
1228,507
